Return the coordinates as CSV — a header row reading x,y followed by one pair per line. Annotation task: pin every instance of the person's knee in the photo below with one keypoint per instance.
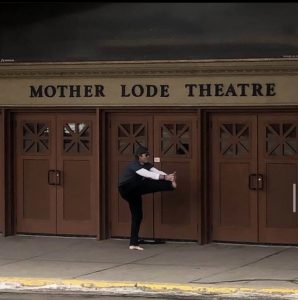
x,y
124,195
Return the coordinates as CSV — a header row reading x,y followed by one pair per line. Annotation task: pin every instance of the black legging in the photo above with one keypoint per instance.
x,y
132,192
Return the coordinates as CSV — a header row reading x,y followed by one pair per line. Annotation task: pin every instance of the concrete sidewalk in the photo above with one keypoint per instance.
x,y
34,263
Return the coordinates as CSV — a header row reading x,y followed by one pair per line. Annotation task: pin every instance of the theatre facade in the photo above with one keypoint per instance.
x,y
229,128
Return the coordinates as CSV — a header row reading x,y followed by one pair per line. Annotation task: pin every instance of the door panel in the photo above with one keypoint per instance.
x,y
233,187
175,213
35,185
234,159
175,208
76,190
36,152
77,161
279,208
127,132
278,161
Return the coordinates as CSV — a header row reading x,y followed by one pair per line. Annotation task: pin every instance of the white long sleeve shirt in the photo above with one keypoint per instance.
x,y
153,173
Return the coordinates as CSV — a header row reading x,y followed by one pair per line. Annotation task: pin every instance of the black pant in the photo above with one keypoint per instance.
x,y
132,193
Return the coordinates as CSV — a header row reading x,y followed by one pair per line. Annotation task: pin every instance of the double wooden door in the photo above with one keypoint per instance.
x,y
56,173
172,142
254,168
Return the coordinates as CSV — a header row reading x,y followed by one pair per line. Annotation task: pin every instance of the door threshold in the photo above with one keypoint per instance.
x,y
56,236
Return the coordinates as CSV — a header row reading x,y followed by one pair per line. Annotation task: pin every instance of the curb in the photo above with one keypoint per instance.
x,y
16,284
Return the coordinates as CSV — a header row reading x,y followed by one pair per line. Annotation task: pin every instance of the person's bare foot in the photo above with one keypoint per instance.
x,y
132,247
174,184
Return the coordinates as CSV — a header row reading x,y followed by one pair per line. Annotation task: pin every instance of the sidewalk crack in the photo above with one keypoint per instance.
x,y
36,256
120,265
239,267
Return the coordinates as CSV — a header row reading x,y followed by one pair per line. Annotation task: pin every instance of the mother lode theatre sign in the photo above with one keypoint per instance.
x,y
258,83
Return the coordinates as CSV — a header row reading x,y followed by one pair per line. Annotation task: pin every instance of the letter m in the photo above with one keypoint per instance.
x,y
35,92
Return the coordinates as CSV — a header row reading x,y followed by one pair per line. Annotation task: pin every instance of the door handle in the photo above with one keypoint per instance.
x,y
58,177
52,177
260,179
255,182
294,197
252,184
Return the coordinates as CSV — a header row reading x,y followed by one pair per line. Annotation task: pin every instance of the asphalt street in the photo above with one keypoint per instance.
x,y
15,296
51,296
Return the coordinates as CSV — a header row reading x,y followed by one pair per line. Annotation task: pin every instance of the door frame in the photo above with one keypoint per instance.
x,y
207,159
274,234
106,116
10,132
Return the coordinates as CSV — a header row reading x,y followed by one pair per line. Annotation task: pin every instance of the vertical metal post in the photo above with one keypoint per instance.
x,y
2,173
294,197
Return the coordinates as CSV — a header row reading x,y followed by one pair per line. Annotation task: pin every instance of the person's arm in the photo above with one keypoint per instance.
x,y
155,176
157,171
147,174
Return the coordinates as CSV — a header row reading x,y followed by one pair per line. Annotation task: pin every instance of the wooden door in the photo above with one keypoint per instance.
x,y
278,162
127,132
56,182
77,161
172,139
234,161
176,149
35,157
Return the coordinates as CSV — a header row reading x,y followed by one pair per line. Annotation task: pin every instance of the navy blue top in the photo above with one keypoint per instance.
x,y
129,173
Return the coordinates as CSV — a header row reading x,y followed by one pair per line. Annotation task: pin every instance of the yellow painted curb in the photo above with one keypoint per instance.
x,y
149,286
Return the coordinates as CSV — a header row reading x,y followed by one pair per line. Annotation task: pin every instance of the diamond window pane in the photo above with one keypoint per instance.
x,y
281,139
175,139
234,139
76,138
36,138
130,137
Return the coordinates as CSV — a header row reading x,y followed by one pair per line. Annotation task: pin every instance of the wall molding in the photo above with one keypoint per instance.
x,y
150,68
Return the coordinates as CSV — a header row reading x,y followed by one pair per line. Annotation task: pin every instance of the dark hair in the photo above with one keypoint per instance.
x,y
141,150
